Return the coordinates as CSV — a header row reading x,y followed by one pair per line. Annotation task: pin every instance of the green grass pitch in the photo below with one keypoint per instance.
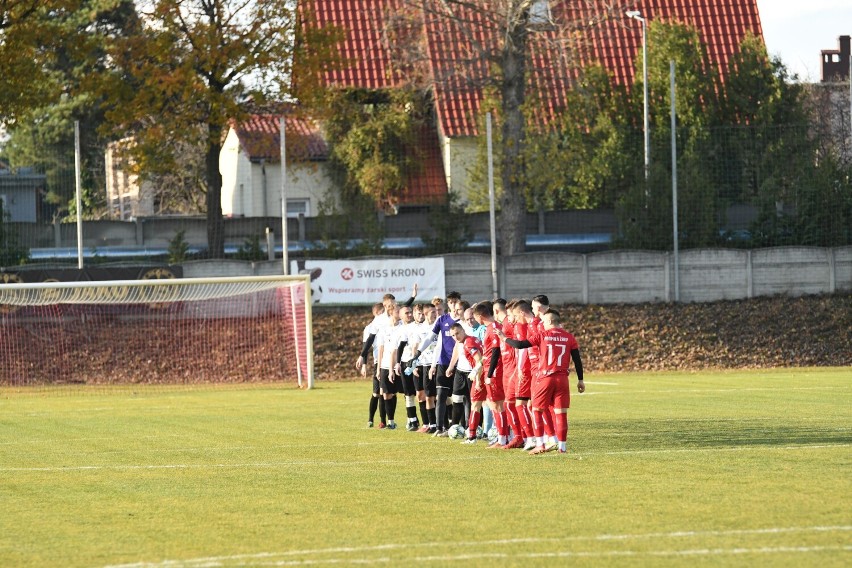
x,y
746,468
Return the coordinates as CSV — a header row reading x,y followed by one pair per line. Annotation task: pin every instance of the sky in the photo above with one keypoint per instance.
x,y
797,30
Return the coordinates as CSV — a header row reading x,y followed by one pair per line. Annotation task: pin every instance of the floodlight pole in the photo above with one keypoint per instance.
x,y
637,15
284,244
78,193
491,213
675,237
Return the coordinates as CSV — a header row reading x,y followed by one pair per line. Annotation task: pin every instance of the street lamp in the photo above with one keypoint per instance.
x,y
637,15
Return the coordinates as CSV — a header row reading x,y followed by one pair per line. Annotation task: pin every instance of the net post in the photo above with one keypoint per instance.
x,y
309,336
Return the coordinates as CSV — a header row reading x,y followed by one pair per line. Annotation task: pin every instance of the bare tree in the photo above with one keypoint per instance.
x,y
511,50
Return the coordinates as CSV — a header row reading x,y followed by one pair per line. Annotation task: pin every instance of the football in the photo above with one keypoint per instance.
x,y
492,435
456,432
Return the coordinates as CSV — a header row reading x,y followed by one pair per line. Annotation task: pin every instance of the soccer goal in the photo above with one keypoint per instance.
x,y
170,331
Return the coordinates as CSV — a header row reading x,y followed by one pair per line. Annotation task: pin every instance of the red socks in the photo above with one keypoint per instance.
x,y
501,423
525,420
538,426
562,427
473,423
514,423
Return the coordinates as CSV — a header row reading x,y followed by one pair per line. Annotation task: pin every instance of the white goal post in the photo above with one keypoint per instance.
x,y
164,331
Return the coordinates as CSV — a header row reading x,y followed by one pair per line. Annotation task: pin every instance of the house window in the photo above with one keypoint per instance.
x,y
296,207
540,12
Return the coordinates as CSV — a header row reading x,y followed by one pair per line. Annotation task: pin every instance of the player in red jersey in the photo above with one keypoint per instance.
x,y
527,364
483,312
510,373
558,348
540,305
472,351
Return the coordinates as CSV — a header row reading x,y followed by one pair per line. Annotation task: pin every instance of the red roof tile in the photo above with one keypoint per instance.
x,y
613,42
428,184
365,55
259,136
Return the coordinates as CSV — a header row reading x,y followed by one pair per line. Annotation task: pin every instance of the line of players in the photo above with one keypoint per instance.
x,y
512,358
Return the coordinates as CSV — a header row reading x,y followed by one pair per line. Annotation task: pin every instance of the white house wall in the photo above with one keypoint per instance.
x,y
309,181
459,156
246,194
236,170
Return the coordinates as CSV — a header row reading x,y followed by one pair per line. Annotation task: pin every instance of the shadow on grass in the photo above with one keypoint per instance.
x,y
709,433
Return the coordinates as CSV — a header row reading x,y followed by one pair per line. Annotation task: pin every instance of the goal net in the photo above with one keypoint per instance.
x,y
171,331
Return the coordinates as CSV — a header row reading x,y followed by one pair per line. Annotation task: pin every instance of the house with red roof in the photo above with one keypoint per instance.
x,y
449,146
610,39
250,164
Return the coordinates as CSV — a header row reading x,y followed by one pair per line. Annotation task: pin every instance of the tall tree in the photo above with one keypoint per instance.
x,y
62,44
189,73
24,52
581,160
645,210
495,43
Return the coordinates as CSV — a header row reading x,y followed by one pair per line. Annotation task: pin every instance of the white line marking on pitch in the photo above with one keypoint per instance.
x,y
268,557
701,391
362,462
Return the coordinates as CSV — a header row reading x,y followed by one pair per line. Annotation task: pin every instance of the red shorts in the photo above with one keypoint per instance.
x,y
495,390
478,395
523,387
552,390
509,384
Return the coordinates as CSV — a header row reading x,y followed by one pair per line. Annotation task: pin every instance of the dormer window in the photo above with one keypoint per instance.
x,y
540,12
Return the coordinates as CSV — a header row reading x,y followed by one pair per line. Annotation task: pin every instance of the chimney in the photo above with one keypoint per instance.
x,y
835,62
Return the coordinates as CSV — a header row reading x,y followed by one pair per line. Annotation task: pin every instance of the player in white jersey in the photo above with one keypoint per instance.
x,y
388,381
402,357
424,383
459,369
370,330
381,317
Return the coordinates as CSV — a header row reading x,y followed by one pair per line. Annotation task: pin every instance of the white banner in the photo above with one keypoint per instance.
x,y
366,281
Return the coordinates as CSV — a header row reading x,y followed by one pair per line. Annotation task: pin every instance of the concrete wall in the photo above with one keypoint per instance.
x,y
624,276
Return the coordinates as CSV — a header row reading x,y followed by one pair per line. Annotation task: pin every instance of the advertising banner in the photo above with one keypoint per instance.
x,y
366,281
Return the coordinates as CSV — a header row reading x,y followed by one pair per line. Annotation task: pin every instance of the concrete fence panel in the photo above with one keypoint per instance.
x,y
792,270
843,269
707,275
560,275
469,274
629,277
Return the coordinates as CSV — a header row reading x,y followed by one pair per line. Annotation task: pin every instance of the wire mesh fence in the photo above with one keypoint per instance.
x,y
737,186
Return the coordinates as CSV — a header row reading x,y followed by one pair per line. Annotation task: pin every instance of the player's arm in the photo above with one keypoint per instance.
x,y
492,365
365,350
578,367
451,368
379,356
518,343
397,357
476,372
410,301
427,341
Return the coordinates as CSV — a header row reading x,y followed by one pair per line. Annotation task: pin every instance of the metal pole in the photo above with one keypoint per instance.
x,y
78,181
637,15
674,185
492,216
645,119
284,260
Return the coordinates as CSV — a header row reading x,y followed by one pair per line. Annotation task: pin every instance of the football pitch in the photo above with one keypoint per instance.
x,y
736,468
